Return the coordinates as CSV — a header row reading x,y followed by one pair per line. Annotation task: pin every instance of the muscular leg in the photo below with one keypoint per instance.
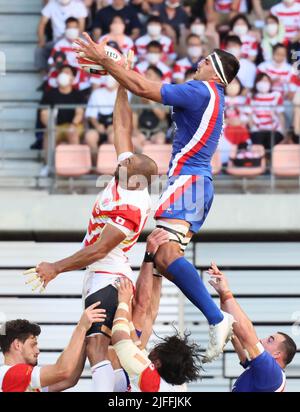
x,y
171,263
102,371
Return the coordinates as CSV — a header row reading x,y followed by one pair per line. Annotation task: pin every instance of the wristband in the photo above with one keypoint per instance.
x,y
226,296
124,306
149,257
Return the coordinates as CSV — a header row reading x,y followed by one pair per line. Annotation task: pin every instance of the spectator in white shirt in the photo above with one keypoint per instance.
x,y
99,114
56,11
247,71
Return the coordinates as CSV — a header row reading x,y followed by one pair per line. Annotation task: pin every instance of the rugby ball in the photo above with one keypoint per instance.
x,y
91,67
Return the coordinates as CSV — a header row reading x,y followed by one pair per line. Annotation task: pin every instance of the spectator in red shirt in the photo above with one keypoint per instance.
x,y
241,27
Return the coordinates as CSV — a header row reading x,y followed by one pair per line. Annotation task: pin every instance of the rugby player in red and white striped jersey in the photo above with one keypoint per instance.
x,y
117,220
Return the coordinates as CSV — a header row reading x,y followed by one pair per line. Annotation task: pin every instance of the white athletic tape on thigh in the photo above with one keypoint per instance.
x,y
123,327
177,232
123,306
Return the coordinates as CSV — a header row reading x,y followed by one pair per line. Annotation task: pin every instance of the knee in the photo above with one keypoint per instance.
x,y
91,139
166,255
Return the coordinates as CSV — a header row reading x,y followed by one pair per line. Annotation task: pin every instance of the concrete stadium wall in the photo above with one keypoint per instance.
x,y
35,212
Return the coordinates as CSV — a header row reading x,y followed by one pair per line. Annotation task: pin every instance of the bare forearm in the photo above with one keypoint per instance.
x,y
73,354
81,259
133,81
122,123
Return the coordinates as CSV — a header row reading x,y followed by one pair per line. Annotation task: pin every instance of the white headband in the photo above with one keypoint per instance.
x,y
218,67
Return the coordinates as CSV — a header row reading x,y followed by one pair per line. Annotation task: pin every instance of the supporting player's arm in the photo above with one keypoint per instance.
x,y
110,237
131,80
122,123
66,365
243,327
148,289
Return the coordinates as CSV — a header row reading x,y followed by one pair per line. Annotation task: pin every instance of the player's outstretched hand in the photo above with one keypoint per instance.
x,y
219,281
92,315
125,291
41,275
89,49
157,238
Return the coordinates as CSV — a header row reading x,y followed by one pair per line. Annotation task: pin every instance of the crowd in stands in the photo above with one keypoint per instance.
x,y
169,38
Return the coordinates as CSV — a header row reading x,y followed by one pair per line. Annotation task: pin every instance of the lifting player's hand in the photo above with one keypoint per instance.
x,y
93,314
219,281
89,49
125,291
41,275
157,238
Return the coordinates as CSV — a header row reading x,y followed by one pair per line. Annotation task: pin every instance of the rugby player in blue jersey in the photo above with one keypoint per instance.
x,y
264,360
198,108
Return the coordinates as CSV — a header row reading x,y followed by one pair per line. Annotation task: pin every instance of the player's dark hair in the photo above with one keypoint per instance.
x,y
180,359
230,63
189,72
156,70
20,329
71,20
155,44
289,348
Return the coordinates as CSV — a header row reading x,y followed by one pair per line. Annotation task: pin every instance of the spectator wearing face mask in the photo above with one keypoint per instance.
x,y
117,34
99,114
241,27
151,120
154,33
278,69
247,72
266,113
105,16
194,51
273,34
207,35
154,58
288,12
65,44
173,16
236,119
81,79
56,11
69,126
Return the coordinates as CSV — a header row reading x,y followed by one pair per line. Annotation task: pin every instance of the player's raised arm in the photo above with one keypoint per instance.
x,y
122,123
67,363
131,80
243,327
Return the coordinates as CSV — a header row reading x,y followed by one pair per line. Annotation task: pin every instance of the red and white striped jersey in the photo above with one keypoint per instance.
x,y
280,75
224,6
294,83
289,17
180,67
150,381
167,46
249,45
65,46
81,82
125,47
128,211
264,108
20,378
142,67
235,107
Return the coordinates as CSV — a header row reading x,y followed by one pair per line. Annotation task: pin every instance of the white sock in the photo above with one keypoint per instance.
x,y
103,377
121,382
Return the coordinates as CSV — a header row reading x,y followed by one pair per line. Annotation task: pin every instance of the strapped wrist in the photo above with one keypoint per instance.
x,y
226,296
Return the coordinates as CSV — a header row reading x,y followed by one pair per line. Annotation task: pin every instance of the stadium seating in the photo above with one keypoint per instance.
x,y
72,160
247,171
107,159
286,160
161,154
